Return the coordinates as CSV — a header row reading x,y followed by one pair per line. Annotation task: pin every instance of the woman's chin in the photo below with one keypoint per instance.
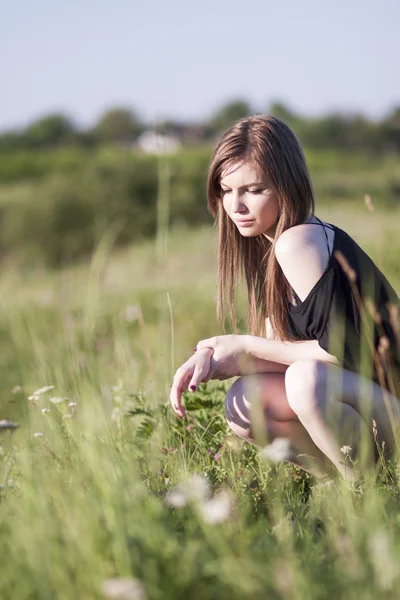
x,y
251,231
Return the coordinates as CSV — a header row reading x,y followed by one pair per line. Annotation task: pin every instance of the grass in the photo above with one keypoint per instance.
x,y
85,478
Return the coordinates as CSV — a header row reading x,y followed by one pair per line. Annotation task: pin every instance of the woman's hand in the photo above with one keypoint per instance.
x,y
229,355
188,376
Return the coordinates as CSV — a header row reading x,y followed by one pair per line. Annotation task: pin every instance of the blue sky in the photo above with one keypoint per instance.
x,y
183,59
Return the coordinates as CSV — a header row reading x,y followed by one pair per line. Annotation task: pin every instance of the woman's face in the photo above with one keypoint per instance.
x,y
250,200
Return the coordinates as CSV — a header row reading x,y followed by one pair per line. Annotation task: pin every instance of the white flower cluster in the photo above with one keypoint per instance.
x,y
123,588
196,491
36,395
277,451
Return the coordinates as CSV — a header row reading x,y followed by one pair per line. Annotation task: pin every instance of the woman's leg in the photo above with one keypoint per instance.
x,y
320,408
339,408
279,419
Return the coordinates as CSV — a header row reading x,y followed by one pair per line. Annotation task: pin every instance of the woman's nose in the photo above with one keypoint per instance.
x,y
237,202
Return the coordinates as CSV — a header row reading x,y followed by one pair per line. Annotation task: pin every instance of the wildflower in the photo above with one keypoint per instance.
x,y
176,498
57,400
44,389
16,389
132,313
33,398
277,451
217,457
44,410
6,424
383,345
345,450
123,588
38,434
218,509
68,416
189,428
194,489
71,404
368,203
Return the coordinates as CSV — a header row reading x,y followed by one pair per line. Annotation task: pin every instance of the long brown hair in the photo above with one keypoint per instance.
x,y
269,146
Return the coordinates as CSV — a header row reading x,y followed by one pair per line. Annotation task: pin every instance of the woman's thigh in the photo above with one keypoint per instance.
x,y
313,383
266,390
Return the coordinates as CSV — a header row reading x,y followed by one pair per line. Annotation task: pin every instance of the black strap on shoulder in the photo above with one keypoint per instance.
x,y
326,235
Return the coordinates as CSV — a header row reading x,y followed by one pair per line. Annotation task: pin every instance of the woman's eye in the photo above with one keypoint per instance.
x,y
224,191
256,191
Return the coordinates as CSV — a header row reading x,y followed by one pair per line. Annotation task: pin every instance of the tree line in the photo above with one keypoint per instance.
x,y
123,126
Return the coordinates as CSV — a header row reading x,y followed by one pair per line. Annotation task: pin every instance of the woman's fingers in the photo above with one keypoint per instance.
x,y
179,385
200,373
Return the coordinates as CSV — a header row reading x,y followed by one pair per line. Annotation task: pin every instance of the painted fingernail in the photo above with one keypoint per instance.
x,y
193,387
194,349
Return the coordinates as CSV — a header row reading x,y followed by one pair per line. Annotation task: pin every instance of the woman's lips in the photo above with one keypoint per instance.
x,y
244,222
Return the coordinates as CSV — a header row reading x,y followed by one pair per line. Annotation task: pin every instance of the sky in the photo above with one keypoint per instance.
x,y
183,60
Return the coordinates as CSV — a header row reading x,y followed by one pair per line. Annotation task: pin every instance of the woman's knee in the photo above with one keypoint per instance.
x,y
303,381
236,409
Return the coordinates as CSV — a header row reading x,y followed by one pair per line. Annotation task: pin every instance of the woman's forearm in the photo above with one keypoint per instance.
x,y
285,353
253,365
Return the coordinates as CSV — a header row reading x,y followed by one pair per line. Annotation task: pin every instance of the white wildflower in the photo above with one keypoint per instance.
x,y
123,588
217,509
33,398
176,498
132,313
16,389
7,424
345,450
44,410
195,489
198,487
44,389
68,416
277,451
57,400
72,404
38,434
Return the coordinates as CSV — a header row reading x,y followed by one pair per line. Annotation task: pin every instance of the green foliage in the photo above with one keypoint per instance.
x,y
118,124
226,116
49,131
72,196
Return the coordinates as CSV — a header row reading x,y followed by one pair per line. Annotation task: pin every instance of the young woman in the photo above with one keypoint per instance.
x,y
326,374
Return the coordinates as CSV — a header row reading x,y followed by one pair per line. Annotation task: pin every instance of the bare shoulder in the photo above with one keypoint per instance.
x,y
303,254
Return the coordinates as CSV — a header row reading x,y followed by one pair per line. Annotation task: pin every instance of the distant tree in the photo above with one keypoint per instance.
x,y
10,140
226,116
389,131
280,110
49,131
118,124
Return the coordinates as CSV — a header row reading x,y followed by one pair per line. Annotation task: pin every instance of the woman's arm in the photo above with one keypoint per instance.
x,y
235,355
285,353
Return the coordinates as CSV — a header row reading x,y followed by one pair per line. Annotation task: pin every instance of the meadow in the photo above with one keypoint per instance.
x,y
106,494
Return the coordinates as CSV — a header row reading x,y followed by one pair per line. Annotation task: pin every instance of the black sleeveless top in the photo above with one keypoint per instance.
x,y
339,313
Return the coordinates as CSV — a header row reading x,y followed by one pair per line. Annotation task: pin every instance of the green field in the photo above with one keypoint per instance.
x,y
85,476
